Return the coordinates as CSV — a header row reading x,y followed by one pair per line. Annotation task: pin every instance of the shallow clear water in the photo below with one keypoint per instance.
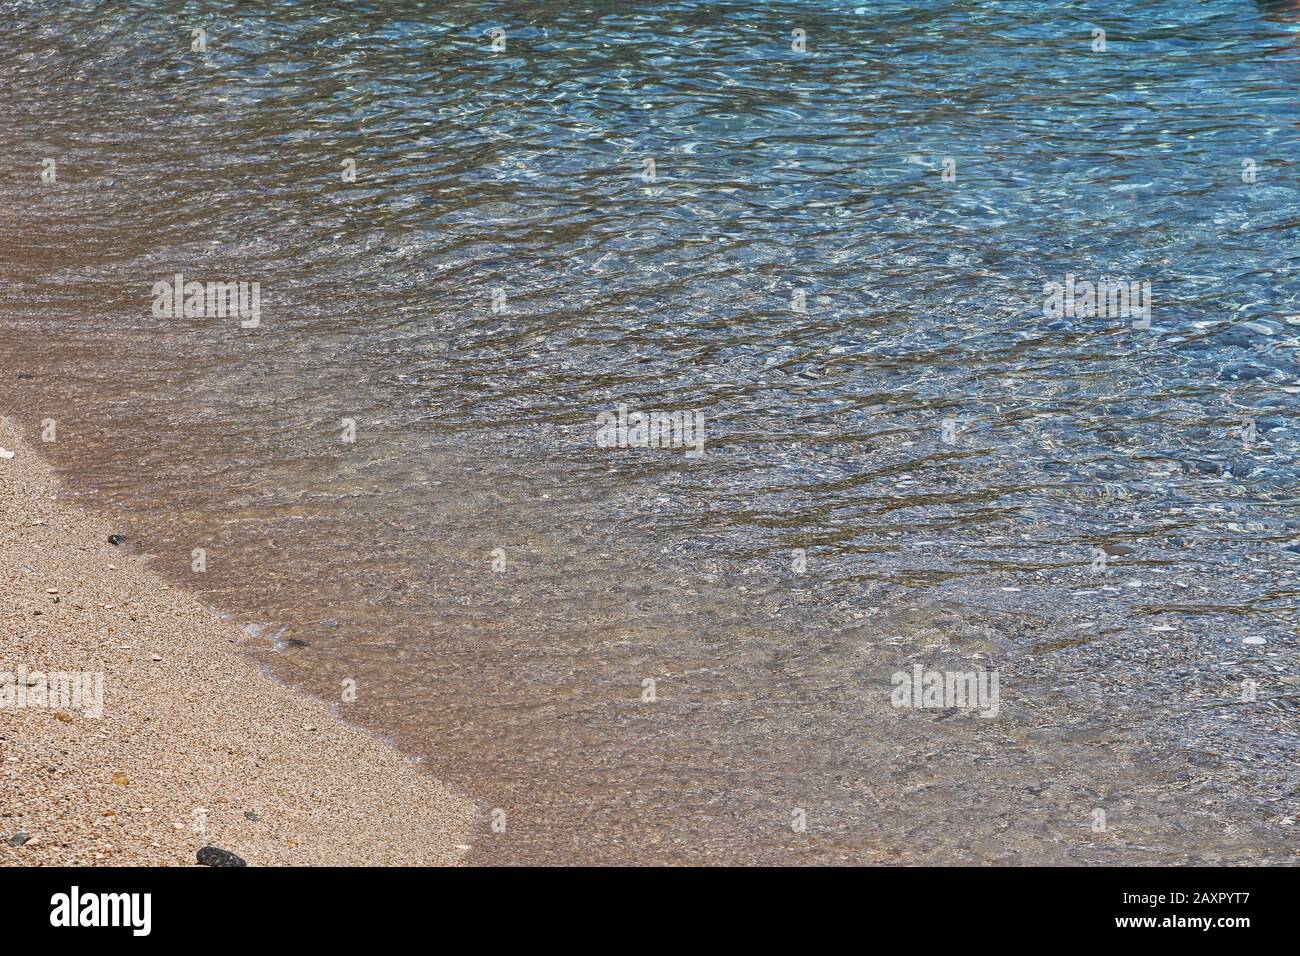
x,y
775,172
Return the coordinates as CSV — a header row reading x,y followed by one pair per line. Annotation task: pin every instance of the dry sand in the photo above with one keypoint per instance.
x,y
195,746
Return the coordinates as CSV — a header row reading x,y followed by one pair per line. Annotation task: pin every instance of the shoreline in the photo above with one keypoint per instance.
x,y
195,746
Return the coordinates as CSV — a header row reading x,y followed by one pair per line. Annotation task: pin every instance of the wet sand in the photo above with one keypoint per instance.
x,y
195,747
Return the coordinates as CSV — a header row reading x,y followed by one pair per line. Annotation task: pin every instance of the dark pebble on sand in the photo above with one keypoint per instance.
x,y
117,539
18,839
215,856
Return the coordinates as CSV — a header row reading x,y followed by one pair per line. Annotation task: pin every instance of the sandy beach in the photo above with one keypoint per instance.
x,y
194,747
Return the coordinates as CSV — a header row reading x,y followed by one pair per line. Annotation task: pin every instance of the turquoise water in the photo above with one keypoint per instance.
x,y
798,270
